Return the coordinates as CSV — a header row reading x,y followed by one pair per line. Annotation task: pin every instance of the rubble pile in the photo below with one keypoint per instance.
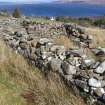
x,y
42,29
78,35
77,68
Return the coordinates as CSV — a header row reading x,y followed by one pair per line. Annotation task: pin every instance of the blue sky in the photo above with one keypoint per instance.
x,y
19,1
26,0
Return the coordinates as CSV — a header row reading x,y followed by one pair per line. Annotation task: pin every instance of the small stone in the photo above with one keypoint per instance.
x,y
82,84
87,63
98,51
44,41
100,69
94,83
99,92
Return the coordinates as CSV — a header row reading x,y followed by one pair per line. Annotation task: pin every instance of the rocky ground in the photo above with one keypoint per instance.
x,y
68,50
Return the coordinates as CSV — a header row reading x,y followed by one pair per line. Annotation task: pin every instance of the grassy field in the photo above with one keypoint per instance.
x,y
22,84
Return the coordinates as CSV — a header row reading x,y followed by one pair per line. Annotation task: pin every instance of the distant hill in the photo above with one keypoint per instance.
x,y
13,3
81,1
96,1
67,1
4,3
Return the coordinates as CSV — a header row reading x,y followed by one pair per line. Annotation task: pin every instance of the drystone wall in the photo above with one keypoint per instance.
x,y
35,41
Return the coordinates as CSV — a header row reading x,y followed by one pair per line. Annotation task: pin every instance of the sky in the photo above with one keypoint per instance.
x,y
26,0
19,1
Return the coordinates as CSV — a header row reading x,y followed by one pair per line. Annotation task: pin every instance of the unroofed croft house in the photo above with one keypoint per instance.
x,y
52,18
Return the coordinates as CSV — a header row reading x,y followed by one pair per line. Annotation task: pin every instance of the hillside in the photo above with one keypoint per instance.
x,y
21,84
45,62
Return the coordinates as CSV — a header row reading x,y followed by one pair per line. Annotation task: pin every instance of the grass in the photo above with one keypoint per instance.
x,y
98,36
63,40
10,92
22,84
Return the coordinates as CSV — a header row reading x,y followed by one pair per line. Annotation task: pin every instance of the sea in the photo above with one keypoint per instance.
x,y
57,9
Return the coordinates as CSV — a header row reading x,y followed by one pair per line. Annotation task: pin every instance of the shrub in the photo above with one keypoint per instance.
x,y
16,13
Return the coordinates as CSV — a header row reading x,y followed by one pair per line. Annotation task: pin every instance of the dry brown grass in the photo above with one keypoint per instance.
x,y
17,78
98,36
63,40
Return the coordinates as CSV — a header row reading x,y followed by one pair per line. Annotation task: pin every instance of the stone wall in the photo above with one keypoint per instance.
x,y
35,41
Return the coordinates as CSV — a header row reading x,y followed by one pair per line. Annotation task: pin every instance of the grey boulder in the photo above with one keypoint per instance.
x,y
68,69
